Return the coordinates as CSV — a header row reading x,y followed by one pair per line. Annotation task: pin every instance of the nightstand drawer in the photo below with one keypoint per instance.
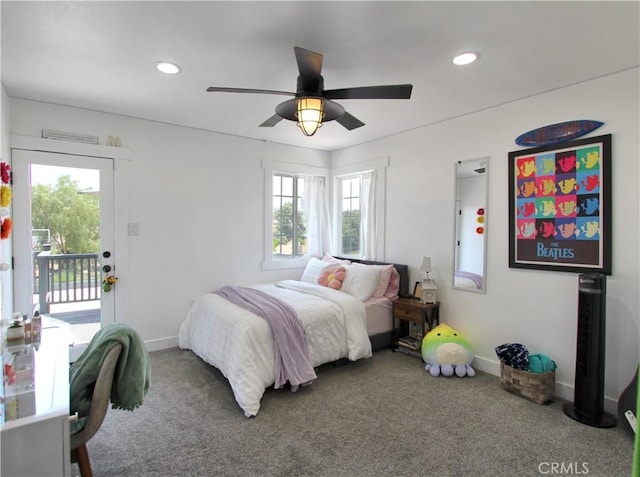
x,y
407,312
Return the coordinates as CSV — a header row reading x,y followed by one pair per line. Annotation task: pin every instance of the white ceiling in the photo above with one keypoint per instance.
x,y
100,55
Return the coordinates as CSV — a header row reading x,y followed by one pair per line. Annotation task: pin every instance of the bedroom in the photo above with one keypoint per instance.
x,y
181,180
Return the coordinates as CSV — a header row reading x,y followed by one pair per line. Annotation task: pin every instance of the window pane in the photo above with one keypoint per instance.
x,y
287,186
350,216
277,186
289,238
346,188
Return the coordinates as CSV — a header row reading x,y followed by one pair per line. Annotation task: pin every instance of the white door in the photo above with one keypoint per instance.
x,y
71,288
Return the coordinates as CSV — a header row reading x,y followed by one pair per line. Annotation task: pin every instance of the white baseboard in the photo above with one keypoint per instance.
x,y
162,343
562,390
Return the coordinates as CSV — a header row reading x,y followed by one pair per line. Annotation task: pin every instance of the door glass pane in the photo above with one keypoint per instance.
x,y
65,244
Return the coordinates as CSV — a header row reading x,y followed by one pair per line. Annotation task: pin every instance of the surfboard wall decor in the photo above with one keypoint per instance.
x,y
557,133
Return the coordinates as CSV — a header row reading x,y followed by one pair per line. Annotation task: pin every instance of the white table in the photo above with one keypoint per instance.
x,y
34,431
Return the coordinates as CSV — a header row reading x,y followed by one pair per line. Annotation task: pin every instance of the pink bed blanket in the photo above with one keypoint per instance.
x,y
292,361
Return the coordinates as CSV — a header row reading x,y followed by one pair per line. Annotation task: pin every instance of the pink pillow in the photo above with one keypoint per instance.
x,y
383,281
394,284
332,277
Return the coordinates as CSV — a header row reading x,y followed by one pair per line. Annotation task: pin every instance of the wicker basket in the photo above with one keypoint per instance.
x,y
536,387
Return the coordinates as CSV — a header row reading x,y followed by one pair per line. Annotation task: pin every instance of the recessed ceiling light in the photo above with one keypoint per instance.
x,y
466,58
168,68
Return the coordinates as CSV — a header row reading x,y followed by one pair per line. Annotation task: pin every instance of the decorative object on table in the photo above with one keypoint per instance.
x,y
446,352
15,331
429,289
557,133
560,207
108,282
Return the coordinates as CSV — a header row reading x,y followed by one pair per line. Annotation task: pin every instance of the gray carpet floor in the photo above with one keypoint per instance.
x,y
383,415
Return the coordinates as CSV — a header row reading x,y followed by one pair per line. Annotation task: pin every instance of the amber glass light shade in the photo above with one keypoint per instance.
x,y
310,115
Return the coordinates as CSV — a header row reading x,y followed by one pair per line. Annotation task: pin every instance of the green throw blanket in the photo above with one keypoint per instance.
x,y
132,374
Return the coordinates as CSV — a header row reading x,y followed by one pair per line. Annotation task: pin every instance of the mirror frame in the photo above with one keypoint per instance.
x,y
464,170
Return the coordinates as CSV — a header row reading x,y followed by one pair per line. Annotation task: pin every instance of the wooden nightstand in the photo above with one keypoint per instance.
x,y
414,320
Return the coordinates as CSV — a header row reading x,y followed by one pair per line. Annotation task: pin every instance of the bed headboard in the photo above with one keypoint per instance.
x,y
403,271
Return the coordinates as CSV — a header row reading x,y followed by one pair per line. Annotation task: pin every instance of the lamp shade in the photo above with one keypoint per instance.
x,y
309,114
426,264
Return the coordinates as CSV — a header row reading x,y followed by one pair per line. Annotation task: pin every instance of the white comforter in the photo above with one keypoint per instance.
x,y
240,344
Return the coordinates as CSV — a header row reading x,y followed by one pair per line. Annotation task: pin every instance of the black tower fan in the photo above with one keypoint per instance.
x,y
588,400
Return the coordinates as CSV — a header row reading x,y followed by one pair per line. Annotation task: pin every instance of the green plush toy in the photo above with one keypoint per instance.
x,y
446,352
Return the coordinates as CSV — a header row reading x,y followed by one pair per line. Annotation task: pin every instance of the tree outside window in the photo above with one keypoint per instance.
x,y
70,217
289,239
350,214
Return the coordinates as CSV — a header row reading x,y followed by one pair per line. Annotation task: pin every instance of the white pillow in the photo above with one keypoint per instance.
x,y
361,280
313,270
330,259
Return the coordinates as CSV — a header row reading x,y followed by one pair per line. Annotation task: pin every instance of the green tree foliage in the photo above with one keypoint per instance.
x,y
72,217
283,226
351,232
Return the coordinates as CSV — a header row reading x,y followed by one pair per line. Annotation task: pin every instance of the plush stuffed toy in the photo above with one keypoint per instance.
x,y
332,277
446,352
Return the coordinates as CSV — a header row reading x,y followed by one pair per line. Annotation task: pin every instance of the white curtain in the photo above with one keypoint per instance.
x,y
316,216
368,225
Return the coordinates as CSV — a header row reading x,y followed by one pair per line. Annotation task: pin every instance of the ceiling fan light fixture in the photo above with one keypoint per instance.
x,y
167,67
466,58
309,113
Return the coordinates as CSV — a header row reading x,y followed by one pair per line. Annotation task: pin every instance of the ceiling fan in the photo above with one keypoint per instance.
x,y
312,104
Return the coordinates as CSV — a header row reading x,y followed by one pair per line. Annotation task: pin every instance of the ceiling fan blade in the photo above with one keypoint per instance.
x,y
272,121
349,121
396,91
214,89
310,66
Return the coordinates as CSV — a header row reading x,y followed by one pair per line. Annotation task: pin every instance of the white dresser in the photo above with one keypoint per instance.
x,y
35,407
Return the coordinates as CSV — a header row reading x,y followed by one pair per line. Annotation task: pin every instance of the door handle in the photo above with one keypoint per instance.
x,y
106,268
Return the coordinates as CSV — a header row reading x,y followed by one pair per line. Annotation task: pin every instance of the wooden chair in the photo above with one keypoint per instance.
x,y
97,412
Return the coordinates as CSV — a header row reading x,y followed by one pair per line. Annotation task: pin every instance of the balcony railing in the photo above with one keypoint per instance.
x,y
66,278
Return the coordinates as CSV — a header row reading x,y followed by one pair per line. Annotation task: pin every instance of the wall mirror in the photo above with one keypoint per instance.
x,y
470,240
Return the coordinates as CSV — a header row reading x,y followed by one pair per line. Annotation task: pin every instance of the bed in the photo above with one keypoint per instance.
x,y
345,324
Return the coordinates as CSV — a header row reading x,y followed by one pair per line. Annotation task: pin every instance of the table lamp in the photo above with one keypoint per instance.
x,y
429,287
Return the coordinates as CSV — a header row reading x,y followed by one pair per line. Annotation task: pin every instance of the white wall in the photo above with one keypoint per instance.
x,y
6,277
198,197
537,308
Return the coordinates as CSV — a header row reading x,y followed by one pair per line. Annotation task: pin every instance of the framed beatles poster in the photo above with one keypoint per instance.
x,y
560,206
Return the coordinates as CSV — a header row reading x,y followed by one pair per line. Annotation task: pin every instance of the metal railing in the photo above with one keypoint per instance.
x,y
66,278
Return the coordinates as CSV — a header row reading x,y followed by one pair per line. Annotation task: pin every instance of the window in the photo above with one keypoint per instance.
x,y
350,216
288,231
294,222
358,209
